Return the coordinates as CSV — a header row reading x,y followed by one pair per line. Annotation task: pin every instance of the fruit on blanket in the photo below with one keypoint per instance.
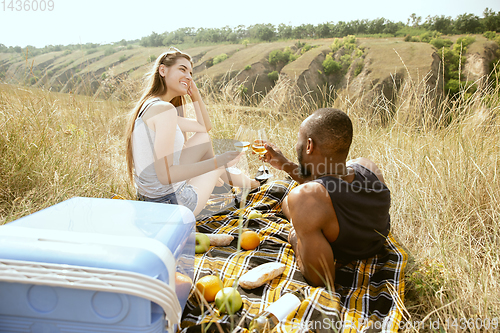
x,y
250,240
183,285
228,300
202,243
209,286
254,214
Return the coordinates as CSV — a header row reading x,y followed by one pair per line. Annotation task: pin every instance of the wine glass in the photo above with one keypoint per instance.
x,y
259,148
243,138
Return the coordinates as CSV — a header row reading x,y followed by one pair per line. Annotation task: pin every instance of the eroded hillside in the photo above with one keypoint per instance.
x,y
369,68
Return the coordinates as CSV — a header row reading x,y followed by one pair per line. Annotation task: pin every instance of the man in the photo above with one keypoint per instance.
x,y
340,212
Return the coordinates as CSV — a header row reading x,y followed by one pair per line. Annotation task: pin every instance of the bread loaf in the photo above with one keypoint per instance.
x,y
261,274
220,240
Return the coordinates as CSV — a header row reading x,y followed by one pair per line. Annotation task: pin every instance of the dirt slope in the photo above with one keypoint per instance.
x,y
388,64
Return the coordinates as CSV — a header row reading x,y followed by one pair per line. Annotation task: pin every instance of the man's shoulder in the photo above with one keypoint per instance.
x,y
368,164
308,195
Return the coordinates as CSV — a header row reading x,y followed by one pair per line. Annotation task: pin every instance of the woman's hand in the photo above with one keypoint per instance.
x,y
228,159
193,92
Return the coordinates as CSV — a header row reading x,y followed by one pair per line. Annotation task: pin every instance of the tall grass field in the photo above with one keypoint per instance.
x,y
440,159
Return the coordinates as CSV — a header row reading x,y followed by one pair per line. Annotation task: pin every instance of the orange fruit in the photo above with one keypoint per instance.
x,y
250,240
209,286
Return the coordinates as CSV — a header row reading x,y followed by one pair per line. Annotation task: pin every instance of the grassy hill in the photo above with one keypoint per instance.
x,y
378,66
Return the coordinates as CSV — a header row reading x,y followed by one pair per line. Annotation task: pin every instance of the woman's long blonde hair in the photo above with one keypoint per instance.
x,y
154,87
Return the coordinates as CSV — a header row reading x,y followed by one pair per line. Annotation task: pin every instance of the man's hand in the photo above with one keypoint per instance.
x,y
274,157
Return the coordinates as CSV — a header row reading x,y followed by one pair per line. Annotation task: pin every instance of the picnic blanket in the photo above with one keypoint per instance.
x,y
368,293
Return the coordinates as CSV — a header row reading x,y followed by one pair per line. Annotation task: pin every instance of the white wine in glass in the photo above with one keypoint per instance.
x,y
242,138
259,148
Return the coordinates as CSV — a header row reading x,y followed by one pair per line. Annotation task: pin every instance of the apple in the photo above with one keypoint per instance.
x,y
202,243
228,300
254,214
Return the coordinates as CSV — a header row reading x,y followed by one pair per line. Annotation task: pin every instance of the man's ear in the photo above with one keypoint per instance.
x,y
310,146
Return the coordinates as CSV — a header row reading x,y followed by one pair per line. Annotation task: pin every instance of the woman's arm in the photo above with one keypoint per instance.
x,y
202,122
162,118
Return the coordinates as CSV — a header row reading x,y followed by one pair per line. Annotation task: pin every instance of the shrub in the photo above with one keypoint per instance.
x,y
242,89
245,42
465,41
306,48
330,66
122,58
359,68
415,39
151,58
90,51
454,86
427,36
33,80
350,39
248,67
299,44
67,52
490,35
336,45
407,38
278,57
439,43
209,63
273,76
109,51
220,58
104,76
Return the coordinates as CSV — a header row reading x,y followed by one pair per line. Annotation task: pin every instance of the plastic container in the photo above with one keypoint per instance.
x,y
96,265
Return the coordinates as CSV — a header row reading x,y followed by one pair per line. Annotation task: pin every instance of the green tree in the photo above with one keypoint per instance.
x,y
467,23
264,32
491,21
284,31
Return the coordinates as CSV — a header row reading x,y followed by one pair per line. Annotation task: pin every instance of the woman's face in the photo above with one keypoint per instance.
x,y
177,77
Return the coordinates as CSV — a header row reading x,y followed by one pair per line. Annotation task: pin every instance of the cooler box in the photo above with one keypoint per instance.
x,y
96,265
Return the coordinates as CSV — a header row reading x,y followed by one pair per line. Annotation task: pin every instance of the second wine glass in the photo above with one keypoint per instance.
x,y
259,148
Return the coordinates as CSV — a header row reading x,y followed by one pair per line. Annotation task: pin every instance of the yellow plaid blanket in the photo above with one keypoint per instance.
x,y
368,293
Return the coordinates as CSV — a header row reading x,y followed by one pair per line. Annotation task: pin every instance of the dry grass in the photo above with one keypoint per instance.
x,y
440,160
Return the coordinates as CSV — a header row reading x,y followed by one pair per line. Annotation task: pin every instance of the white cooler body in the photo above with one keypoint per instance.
x,y
96,265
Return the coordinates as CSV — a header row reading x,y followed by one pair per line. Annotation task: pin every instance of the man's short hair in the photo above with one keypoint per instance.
x,y
331,130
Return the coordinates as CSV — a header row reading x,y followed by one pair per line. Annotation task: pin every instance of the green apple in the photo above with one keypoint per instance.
x,y
254,214
228,300
202,243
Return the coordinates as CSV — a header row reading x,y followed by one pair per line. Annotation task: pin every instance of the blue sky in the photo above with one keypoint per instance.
x,y
105,21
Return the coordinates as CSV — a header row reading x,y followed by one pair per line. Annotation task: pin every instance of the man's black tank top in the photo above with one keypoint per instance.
x,y
362,209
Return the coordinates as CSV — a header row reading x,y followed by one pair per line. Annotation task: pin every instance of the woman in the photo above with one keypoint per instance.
x,y
165,166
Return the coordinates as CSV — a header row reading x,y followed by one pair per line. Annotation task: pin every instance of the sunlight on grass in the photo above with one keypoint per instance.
x,y
441,160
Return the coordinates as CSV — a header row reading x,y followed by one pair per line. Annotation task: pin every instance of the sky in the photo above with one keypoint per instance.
x,y
107,21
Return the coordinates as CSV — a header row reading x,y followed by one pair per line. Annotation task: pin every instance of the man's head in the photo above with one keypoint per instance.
x,y
324,137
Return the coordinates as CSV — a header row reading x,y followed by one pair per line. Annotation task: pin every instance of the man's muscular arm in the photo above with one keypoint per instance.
x,y
309,215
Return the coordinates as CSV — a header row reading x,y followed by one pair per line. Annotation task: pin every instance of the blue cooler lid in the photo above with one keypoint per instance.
x,y
136,236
